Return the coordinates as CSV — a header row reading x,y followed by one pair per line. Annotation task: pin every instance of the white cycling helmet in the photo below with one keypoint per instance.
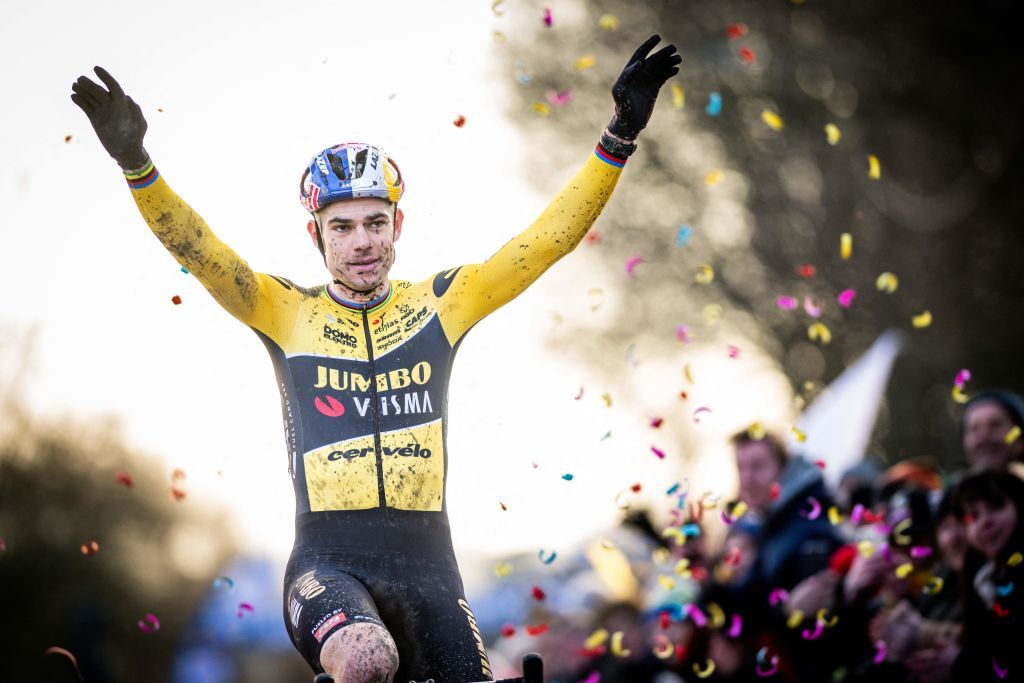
x,y
349,171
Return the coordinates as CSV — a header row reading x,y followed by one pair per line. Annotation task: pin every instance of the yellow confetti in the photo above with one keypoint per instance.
x,y
499,37
958,395
683,567
717,615
584,63
705,275
934,585
709,501
832,133
712,314
607,398
617,648
502,569
608,22
819,332
800,436
709,668
796,617
688,374
874,168
713,177
738,510
596,639
834,516
756,430
830,622
1012,435
678,96
1015,559
899,532
887,282
772,120
661,555
663,647
845,246
922,320
866,548
666,582
494,7
541,108
903,571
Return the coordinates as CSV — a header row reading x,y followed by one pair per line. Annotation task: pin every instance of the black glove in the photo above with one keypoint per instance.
x,y
117,120
637,88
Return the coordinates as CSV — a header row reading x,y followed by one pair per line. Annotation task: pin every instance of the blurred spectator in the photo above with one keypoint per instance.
x,y
987,421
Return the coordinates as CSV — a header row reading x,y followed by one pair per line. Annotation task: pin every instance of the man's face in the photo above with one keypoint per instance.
x,y
986,425
758,469
359,241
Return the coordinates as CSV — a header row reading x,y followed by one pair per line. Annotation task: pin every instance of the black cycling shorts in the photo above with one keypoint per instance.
x,y
401,575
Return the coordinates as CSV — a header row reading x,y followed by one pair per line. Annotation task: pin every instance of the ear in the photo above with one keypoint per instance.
x,y
311,229
399,217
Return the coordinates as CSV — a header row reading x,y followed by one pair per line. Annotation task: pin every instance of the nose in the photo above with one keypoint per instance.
x,y
361,239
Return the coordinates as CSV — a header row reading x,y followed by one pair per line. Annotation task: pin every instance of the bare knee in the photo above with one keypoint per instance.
x,y
360,653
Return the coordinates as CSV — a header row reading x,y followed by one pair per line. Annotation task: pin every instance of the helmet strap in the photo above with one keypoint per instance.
x,y
320,240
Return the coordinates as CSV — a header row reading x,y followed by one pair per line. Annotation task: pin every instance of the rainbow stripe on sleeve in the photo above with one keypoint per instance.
x,y
144,177
609,158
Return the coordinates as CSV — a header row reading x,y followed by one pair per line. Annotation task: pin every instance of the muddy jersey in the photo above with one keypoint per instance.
x,y
364,388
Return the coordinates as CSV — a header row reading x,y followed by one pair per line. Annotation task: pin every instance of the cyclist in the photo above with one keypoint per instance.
x,y
372,589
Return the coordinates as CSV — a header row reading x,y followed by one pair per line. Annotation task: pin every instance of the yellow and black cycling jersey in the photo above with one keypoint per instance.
x,y
364,388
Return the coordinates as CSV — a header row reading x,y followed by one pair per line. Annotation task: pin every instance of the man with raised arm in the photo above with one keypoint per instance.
x,y
372,589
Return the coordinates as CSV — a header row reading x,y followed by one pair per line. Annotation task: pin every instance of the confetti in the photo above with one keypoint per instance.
x,y
608,22
903,571
124,479
678,96
717,615
819,332
656,422
774,491
857,513
697,615
175,299
845,246
596,639
706,670
829,622
537,630
786,303
683,235
832,134
508,630
459,121
666,582
731,515
845,297
559,98
919,551
734,31
584,63
881,648
934,585
91,548
736,627
734,351
522,75
184,270
815,510
579,395
149,624
819,627
714,106
549,559
713,177
772,120
795,618
632,263
504,508
548,20
691,530
874,169
499,37
1000,671
688,373
922,320
537,593
617,648
1012,435
807,271
958,395
658,452
494,8
54,650
663,647
962,377
899,532
1015,559
502,569
800,436
810,308
607,398
834,516
224,583
747,56
68,138
702,409
705,275
1004,590
541,108
244,607
567,476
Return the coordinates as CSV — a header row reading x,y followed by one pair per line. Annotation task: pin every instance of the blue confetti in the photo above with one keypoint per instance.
x,y
607,434
691,529
1003,591
684,234
714,107
672,489
184,270
549,559
567,476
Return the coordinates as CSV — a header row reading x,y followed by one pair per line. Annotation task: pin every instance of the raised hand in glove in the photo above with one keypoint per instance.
x,y
117,120
637,87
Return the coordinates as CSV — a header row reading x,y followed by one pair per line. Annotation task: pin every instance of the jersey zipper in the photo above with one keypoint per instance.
x,y
376,412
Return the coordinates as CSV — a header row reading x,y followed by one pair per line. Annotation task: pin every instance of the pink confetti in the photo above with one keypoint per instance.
x,y
763,673
559,98
698,617
702,409
1000,671
962,377
880,654
778,595
857,514
658,452
786,303
736,627
734,351
594,677
547,16
632,264
816,633
656,422
815,510
579,395
919,551
845,297
681,333
810,308
244,607
149,624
